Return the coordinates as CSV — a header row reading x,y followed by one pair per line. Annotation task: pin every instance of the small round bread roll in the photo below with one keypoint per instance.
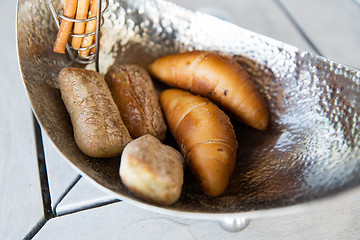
x,y
152,171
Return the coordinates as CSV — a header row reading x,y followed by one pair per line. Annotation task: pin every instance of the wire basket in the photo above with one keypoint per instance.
x,y
74,53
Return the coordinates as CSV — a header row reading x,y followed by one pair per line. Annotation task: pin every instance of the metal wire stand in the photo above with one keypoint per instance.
x,y
73,53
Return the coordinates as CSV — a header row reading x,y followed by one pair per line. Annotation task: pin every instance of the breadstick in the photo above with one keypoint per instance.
x,y
79,28
93,50
90,27
65,27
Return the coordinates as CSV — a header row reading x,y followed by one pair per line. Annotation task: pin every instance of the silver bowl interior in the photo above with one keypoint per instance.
x,y
310,150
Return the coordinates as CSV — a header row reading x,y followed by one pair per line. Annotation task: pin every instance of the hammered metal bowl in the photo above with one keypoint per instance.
x,y
311,150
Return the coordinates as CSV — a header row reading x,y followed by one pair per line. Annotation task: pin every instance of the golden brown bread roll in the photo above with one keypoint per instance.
x,y
98,128
205,136
152,171
135,96
218,78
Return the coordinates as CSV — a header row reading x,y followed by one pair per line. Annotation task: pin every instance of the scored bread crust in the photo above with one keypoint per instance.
x,y
217,77
205,136
98,128
134,94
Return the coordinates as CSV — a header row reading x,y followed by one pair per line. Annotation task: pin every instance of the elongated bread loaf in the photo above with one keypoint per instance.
x,y
98,128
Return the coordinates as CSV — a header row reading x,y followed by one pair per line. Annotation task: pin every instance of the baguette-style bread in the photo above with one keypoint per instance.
x,y
135,96
152,171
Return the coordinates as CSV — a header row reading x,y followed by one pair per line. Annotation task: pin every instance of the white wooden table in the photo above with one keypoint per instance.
x,y
67,206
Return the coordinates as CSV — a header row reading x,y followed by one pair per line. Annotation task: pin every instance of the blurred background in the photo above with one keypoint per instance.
x,y
326,27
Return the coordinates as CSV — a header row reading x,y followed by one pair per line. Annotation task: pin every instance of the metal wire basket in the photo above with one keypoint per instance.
x,y
73,53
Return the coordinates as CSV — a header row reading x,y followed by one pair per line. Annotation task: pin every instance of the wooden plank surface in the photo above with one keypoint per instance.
x,y
263,17
334,220
82,196
21,207
332,25
61,176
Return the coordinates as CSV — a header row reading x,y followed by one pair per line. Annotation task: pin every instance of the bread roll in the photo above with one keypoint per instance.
x,y
98,128
217,77
135,96
205,136
152,171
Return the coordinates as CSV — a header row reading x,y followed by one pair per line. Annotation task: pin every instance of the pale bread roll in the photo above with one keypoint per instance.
x,y
152,171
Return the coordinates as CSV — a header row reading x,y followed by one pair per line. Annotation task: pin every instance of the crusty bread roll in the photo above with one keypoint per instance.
x,y
135,96
98,128
152,171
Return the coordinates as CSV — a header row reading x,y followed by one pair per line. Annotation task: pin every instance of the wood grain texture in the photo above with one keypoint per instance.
x,y
20,194
332,25
334,220
82,196
60,174
264,17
